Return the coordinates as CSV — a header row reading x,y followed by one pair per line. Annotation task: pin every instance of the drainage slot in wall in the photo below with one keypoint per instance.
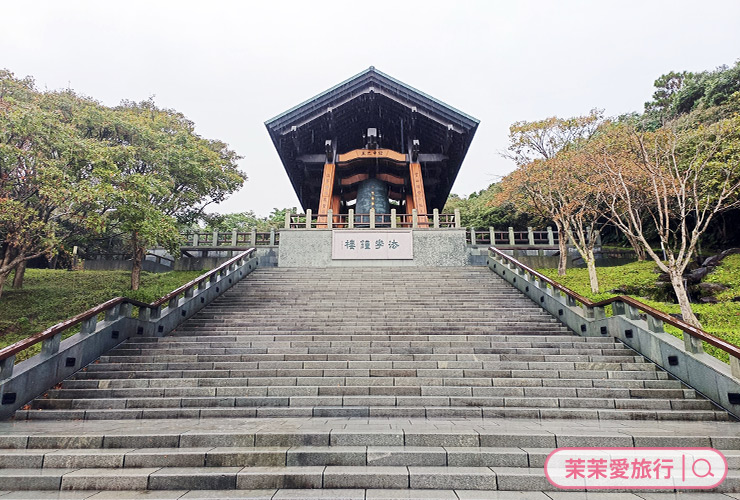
x,y
160,328
542,299
603,330
70,362
560,312
202,300
8,398
628,333
673,360
218,289
734,398
229,280
526,288
140,330
184,312
583,328
114,334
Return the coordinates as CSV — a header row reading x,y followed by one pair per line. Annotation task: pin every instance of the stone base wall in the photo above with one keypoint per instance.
x,y
312,248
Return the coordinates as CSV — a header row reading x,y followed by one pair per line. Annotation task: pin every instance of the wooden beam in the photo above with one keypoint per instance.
x,y
327,191
417,189
363,154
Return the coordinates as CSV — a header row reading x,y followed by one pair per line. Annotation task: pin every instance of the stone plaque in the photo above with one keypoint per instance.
x,y
371,244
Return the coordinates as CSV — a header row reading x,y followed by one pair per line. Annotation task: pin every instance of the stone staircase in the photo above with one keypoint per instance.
x,y
351,383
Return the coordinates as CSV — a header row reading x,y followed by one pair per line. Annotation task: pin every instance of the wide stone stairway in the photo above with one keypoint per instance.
x,y
356,383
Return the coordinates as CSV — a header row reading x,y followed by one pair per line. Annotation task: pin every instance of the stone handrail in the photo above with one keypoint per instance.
x,y
687,361
60,358
352,220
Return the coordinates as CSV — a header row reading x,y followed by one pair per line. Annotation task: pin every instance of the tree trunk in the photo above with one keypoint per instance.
x,y
683,300
592,277
562,245
20,271
639,249
3,277
137,262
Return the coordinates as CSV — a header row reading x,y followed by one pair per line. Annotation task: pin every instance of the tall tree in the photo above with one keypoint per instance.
x,y
673,181
161,174
47,172
532,145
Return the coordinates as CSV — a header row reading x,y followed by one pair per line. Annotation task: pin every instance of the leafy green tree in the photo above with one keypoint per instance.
x,y
159,174
47,172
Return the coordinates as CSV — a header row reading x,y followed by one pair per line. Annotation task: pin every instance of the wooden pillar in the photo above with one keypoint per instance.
x,y
335,207
417,189
327,188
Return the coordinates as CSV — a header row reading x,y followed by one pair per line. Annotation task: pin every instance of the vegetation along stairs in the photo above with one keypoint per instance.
x,y
351,383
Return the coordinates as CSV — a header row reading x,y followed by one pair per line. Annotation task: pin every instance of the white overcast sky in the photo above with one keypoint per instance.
x,y
231,65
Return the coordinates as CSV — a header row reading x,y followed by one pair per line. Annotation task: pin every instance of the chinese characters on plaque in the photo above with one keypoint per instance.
x,y
371,245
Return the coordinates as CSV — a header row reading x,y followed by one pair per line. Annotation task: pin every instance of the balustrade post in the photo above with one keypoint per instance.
x,y
156,312
6,367
734,366
287,219
351,218
88,326
618,308
692,344
126,310
253,237
393,218
493,236
50,346
550,236
173,303
530,236
632,312
472,235
272,236
189,292
233,237
654,324
435,216
308,219
372,218
599,312
113,313
458,222
196,239
512,240
214,242
330,219
144,314
414,218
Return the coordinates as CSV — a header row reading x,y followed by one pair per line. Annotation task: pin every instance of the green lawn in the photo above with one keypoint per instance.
x,y
638,279
50,296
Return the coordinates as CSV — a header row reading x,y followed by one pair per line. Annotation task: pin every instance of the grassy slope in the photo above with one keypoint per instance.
x,y
638,278
50,296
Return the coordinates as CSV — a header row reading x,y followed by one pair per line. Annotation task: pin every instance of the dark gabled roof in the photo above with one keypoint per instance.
x,y
372,99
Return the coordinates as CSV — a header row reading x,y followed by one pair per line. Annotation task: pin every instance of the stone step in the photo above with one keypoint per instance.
x,y
419,411
368,401
350,494
303,477
382,391
386,383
